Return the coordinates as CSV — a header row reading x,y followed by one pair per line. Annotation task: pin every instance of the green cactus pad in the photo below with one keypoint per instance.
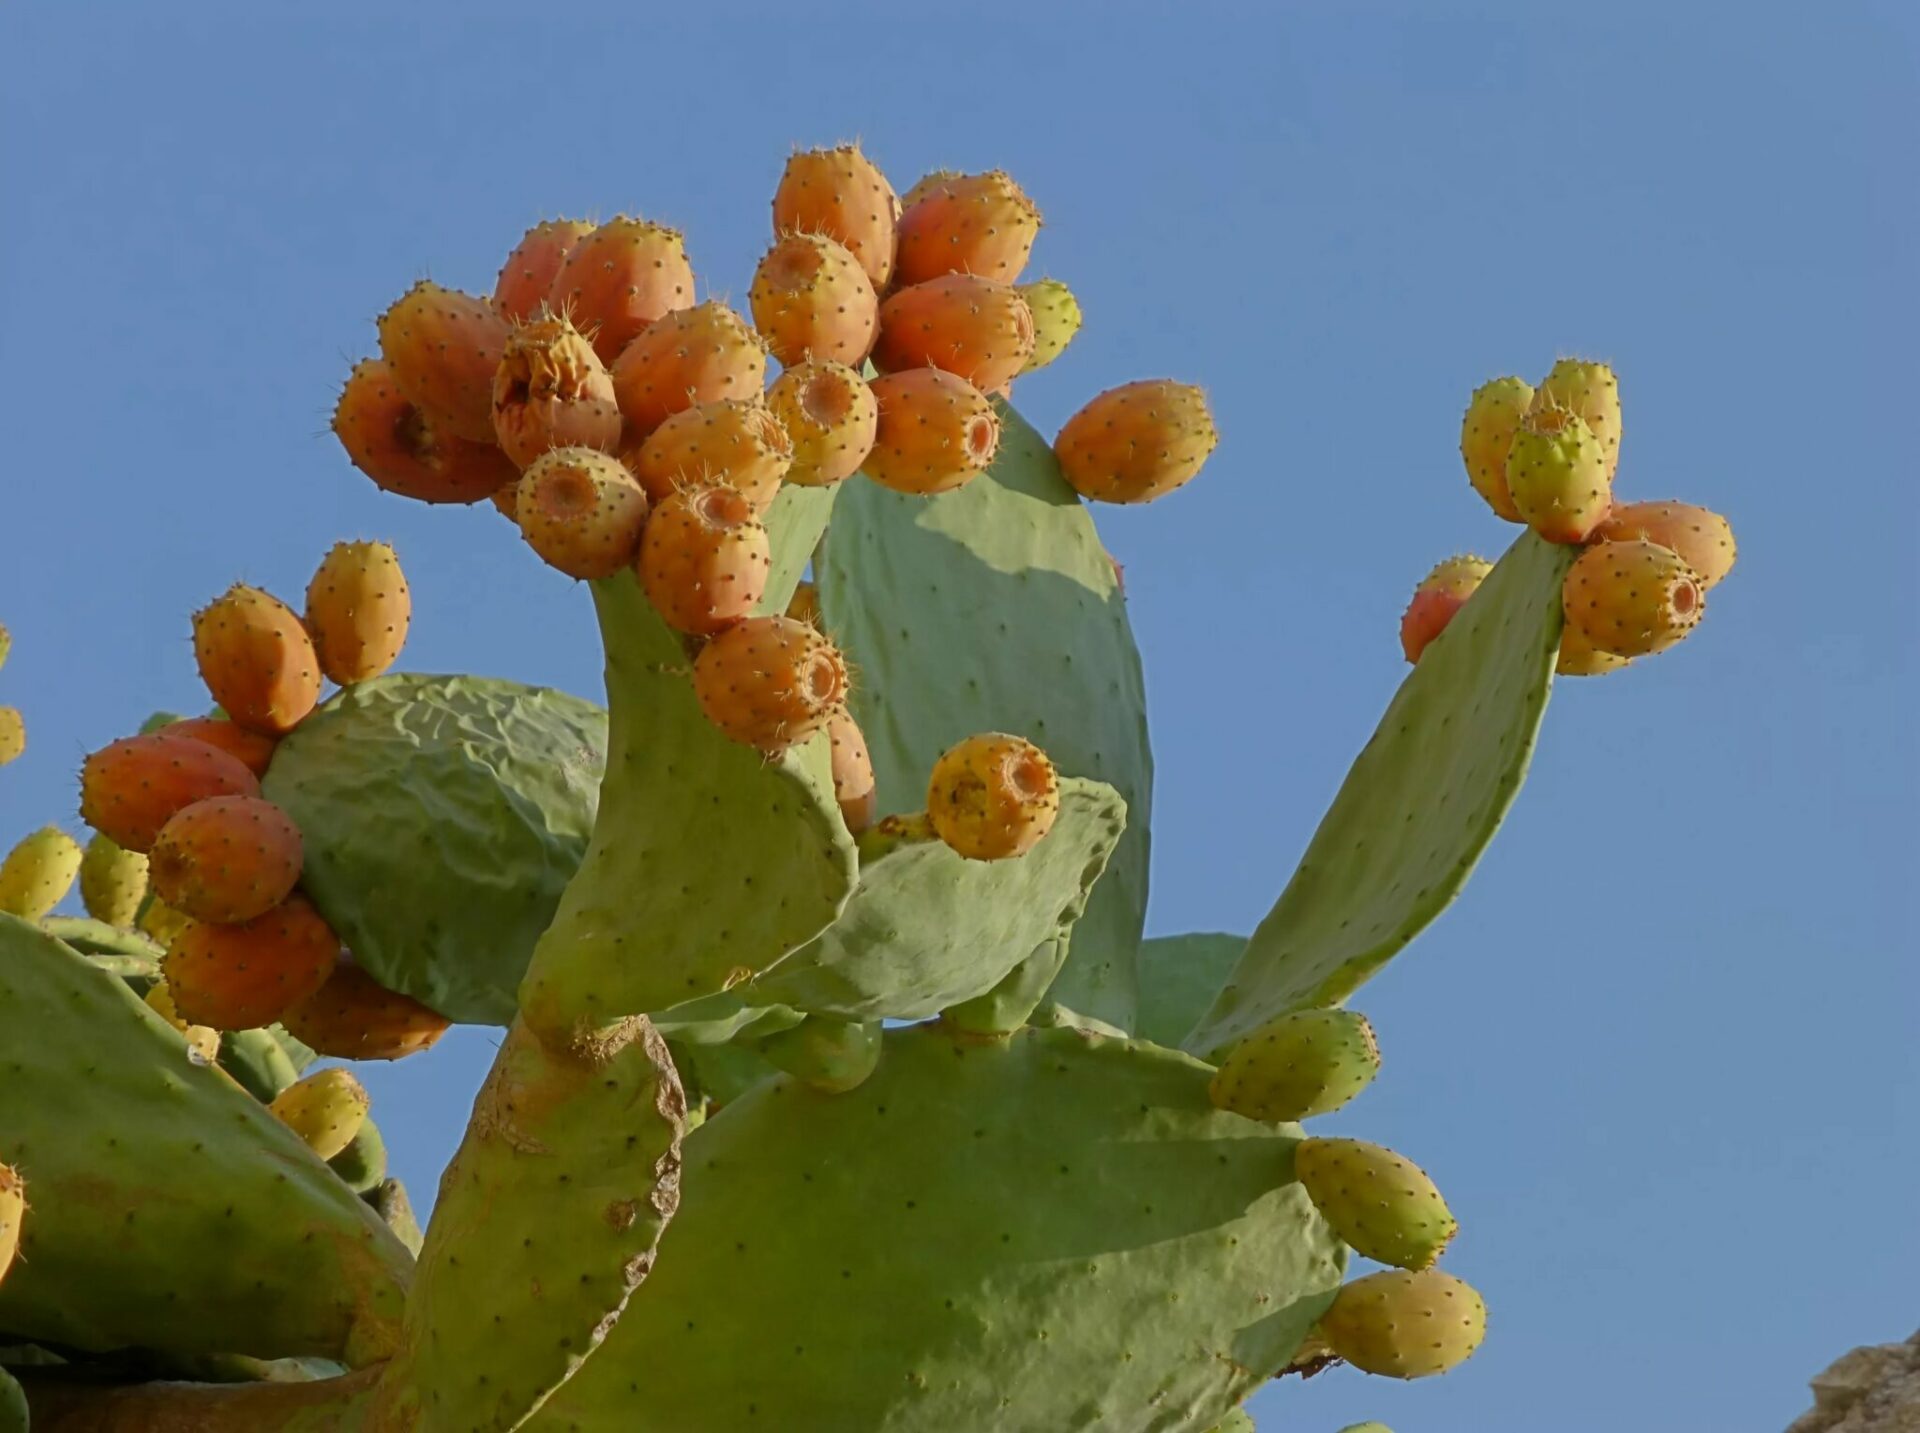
x,y
92,937
1052,1230
264,1061
1179,977
13,1402
363,1163
1235,1422
708,863
720,1074
995,608
442,817
170,1209
794,524
1419,806
389,1200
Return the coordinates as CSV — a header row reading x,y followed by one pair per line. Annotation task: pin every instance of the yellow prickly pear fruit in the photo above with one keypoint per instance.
x,y
113,881
1405,1325
993,796
6,643
1580,658
358,611
830,417
1486,433
1137,442
1702,538
13,734
1382,1205
326,1110
1441,593
1591,390
1557,475
160,922
203,1040
1301,1064
1056,320
13,1208
1631,598
38,873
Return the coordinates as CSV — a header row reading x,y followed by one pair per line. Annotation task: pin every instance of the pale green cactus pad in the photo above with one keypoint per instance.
x,y
265,1061
97,938
794,524
154,1229
1179,977
442,817
1049,1231
1419,806
1235,1422
995,608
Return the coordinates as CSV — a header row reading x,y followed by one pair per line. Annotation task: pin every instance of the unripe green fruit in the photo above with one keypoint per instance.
x,y
1305,1063
1381,1204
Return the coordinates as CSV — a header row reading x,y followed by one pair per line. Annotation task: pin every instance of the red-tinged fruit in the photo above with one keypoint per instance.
x,y
705,558
1592,391
442,347
935,432
770,682
527,276
132,787
227,859
1137,442
358,611
736,441
625,275
965,224
1633,597
842,194
1486,435
830,417
1441,593
393,442
353,1017
581,511
993,796
257,660
691,356
240,977
812,300
978,329
552,391
252,749
853,780
1702,538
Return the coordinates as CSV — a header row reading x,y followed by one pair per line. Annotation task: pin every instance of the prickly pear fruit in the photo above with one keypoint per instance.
x,y
37,874
1441,593
353,1017
393,442
1702,538
1634,597
1368,1427
581,511
6,643
13,734
160,922
257,660
358,611
965,224
853,782
840,193
705,558
13,1208
239,977
227,859
695,355
527,276
812,300
1403,1324
552,391
626,274
1486,434
325,1109
830,417
252,749
1580,658
130,788
993,796
736,441
1381,1204
1298,1065
113,881
978,329
829,1055
203,1040
805,604
1590,390
1137,442
770,682
935,432
442,347
1056,319
927,184
1557,475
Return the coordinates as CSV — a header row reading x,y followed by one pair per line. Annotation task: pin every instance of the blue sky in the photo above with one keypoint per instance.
x,y
1660,1056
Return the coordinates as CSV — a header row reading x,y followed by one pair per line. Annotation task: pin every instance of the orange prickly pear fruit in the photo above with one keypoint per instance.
x,y
13,1208
623,276
204,1040
1557,475
1633,597
257,660
227,859
1137,442
353,1017
325,1109
132,787
1405,1324
927,184
705,558
1486,434
691,356
358,611
811,299
393,442
979,329
113,881
965,224
552,391
13,734
805,605
736,441
830,416
993,796
1441,593
239,977
1592,391
1056,319
853,783
1702,538
252,749
442,347
934,433
840,193
1580,658
37,873
527,276
581,511
769,682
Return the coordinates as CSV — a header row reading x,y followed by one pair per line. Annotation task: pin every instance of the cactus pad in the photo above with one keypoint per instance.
x,y
1179,977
